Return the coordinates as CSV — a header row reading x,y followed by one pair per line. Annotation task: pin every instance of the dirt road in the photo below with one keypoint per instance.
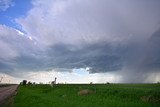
x,y
6,92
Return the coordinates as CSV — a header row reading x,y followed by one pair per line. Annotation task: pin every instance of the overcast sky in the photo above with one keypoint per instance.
x,y
80,41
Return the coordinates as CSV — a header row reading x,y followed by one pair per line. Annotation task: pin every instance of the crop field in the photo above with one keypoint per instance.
x,y
88,95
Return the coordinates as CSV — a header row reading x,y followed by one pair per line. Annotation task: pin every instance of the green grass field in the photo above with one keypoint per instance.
x,y
104,95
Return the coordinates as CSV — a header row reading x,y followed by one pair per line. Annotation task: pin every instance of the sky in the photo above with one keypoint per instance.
x,y
80,41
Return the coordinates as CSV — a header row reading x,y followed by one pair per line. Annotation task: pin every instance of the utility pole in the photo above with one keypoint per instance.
x,y
1,79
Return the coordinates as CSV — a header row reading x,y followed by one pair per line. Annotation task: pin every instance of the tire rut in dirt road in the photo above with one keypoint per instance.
x,y
6,92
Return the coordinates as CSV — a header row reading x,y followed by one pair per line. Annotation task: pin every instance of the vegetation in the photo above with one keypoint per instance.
x,y
102,95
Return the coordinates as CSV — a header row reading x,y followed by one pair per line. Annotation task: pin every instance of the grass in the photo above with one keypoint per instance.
x,y
112,95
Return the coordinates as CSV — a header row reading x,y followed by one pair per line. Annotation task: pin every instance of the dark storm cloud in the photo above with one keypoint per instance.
x,y
5,67
106,35
151,54
100,57
143,65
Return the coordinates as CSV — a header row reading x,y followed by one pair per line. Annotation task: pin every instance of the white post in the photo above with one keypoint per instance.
x,y
55,80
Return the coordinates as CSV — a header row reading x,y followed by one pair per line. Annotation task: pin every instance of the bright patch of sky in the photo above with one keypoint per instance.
x,y
7,79
76,76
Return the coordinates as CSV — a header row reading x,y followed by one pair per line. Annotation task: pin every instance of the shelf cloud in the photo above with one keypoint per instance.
x,y
104,36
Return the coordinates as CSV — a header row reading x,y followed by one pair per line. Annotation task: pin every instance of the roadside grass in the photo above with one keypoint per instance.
x,y
104,95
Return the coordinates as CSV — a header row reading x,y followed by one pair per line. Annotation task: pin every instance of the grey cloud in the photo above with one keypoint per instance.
x,y
4,67
102,58
13,46
143,65
103,35
151,55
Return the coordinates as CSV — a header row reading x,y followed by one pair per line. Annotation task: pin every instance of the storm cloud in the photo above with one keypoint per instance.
x,y
104,36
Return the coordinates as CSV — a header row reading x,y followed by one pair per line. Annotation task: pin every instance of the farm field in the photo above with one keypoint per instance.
x,y
101,95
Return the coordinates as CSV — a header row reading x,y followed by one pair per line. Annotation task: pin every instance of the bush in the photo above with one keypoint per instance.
x,y
24,82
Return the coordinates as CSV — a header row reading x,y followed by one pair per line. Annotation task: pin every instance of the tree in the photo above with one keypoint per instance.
x,y
24,82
